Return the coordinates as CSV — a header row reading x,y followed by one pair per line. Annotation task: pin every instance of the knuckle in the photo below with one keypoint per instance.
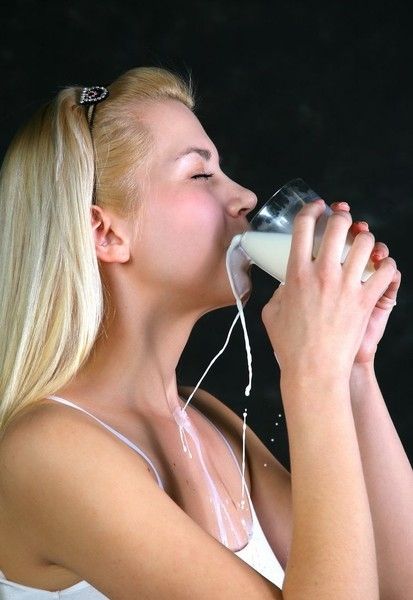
x,y
390,262
307,208
299,277
308,214
303,217
365,237
308,211
339,215
325,275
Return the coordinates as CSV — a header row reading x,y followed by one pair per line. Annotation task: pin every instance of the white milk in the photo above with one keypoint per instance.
x,y
270,251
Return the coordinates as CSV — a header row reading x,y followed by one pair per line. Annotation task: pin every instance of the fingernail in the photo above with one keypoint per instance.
x,y
363,223
341,205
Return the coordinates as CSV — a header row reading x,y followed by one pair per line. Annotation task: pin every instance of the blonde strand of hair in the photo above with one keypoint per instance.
x,y
52,300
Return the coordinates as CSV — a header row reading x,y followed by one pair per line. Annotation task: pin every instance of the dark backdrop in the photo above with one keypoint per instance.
x,y
285,89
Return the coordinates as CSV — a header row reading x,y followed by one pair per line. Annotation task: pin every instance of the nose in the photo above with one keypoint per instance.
x,y
242,201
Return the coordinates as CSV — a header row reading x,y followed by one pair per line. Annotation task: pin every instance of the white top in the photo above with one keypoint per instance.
x,y
257,553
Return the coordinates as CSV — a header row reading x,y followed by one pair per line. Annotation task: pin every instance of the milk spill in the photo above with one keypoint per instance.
x,y
186,428
221,513
244,429
212,361
237,263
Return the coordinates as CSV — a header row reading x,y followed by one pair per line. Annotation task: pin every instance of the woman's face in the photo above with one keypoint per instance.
x,y
189,212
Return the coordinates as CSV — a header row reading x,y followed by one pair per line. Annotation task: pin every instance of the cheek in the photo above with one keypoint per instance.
x,y
184,236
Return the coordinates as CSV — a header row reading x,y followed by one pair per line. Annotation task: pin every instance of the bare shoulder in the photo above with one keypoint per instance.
x,y
48,456
270,481
98,512
47,435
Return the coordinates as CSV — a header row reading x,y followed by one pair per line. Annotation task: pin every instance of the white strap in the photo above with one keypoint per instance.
x,y
119,435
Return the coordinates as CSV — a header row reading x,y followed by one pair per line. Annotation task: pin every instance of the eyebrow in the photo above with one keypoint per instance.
x,y
203,152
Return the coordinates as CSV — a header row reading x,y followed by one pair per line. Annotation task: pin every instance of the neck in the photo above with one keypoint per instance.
x,y
134,359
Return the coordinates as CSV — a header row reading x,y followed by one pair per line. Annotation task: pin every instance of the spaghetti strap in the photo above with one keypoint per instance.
x,y
138,450
116,433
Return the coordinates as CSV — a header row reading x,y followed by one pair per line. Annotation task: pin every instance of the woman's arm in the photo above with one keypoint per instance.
x,y
389,482
316,322
332,552
387,472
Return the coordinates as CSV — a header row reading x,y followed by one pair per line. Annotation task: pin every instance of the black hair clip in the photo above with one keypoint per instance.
x,y
93,95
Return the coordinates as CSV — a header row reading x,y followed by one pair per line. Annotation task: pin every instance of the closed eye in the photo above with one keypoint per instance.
x,y
200,175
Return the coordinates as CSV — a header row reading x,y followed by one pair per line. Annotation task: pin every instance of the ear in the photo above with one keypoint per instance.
x,y
111,234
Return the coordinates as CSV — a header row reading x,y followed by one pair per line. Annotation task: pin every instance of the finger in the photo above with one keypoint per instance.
x,y
334,238
340,206
358,255
380,251
303,234
358,226
385,278
388,299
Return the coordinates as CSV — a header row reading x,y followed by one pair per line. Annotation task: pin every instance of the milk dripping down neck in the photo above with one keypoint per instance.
x,y
237,264
190,438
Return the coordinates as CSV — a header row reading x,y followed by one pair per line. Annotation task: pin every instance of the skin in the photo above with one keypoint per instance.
x,y
138,271
53,530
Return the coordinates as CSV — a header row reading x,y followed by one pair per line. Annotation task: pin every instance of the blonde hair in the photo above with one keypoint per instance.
x,y
52,299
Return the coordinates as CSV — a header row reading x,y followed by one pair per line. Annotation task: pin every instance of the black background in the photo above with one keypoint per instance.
x,y
318,90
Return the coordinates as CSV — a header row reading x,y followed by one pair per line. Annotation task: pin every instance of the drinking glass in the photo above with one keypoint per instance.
x,y
267,244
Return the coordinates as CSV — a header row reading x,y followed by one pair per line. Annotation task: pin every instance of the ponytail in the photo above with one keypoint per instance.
x,y
50,289
51,293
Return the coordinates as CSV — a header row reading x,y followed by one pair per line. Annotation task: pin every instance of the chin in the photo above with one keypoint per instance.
x,y
244,296
223,295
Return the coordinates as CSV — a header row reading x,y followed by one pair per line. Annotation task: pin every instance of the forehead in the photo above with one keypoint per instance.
x,y
174,127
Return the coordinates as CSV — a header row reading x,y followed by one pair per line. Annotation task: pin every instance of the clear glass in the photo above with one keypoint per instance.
x,y
268,242
277,214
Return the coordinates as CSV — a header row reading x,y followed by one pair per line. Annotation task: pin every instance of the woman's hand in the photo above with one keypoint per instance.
x,y
318,319
381,311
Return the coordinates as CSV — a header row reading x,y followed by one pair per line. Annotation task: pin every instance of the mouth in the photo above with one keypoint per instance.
x,y
238,268
237,235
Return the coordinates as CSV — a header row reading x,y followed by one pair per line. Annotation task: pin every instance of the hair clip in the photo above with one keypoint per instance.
x,y
93,95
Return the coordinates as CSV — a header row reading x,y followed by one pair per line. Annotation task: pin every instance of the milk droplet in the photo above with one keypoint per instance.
x,y
243,484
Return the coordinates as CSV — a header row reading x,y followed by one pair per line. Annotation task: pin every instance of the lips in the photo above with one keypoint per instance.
x,y
235,234
238,264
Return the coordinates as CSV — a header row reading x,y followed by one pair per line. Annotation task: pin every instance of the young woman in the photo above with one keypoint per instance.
x,y
115,221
